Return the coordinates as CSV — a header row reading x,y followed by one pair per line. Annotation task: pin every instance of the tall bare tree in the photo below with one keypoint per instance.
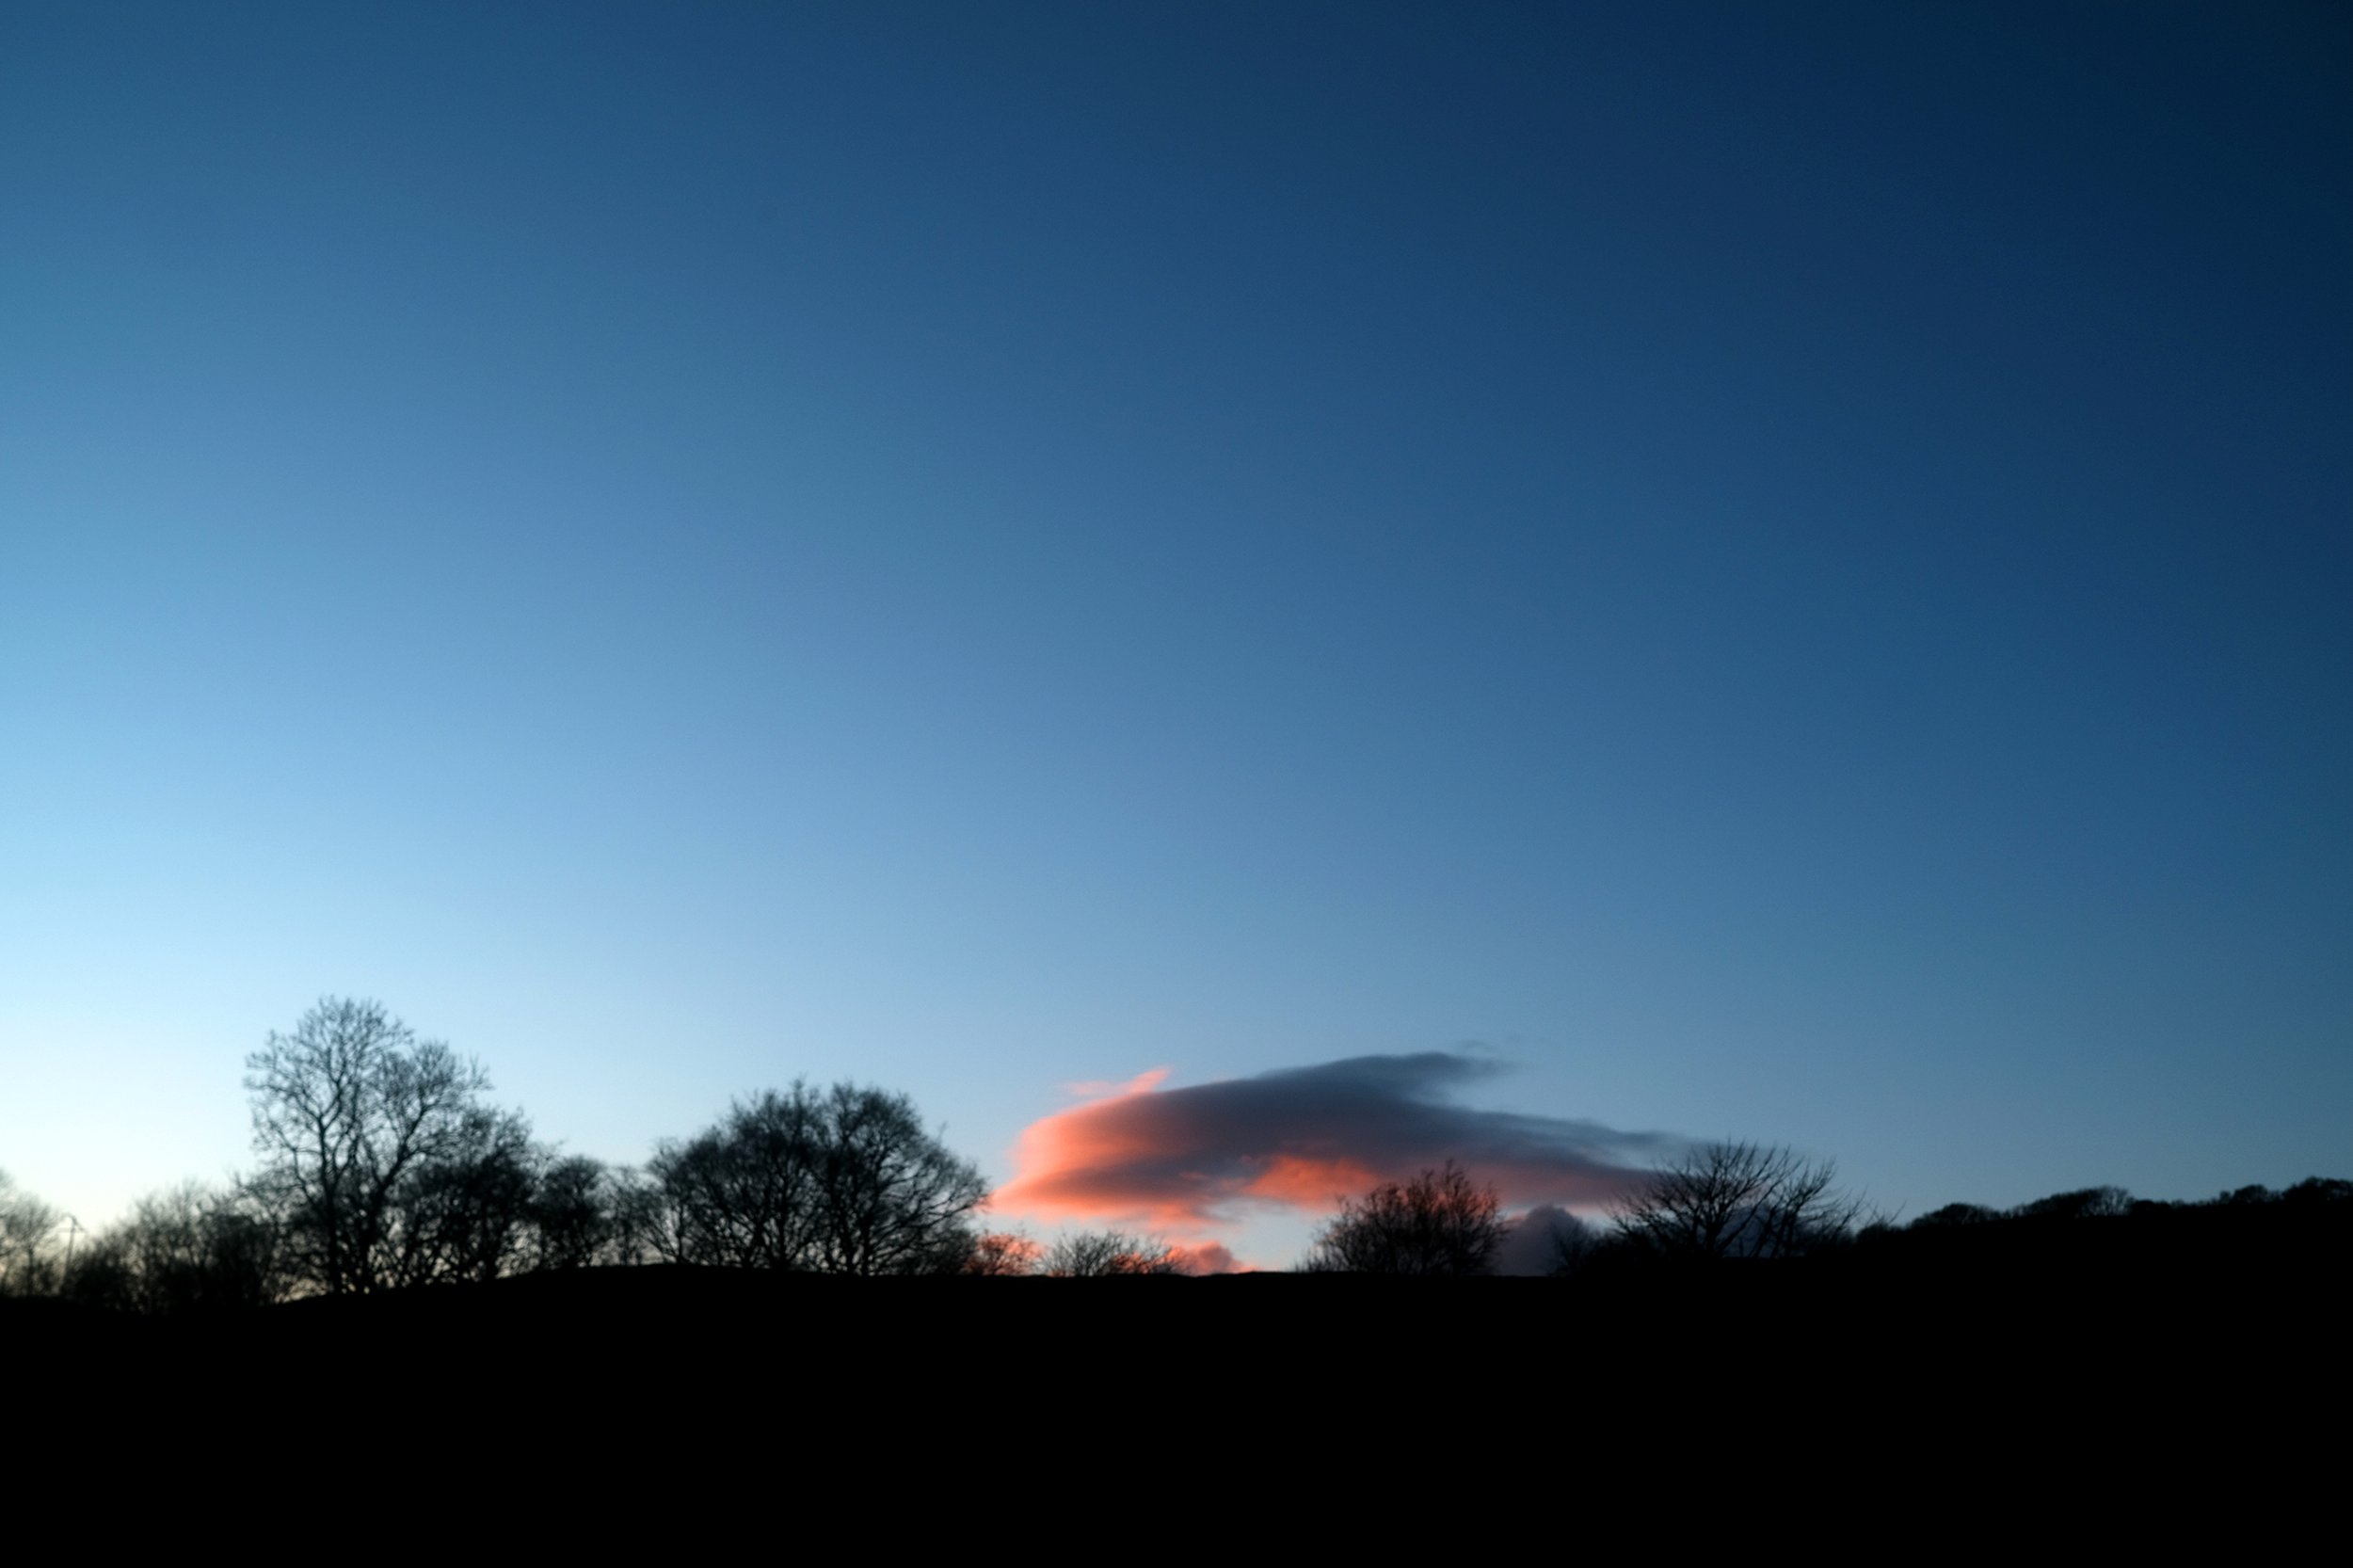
x,y
379,1158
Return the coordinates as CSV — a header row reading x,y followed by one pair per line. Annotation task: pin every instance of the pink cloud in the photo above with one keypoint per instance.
x,y
1207,1257
1183,1161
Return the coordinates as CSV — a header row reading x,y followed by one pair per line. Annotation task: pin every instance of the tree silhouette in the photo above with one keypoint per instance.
x,y
464,1214
1003,1253
1440,1223
380,1161
2084,1203
571,1219
185,1250
2319,1190
1737,1200
28,1227
1956,1214
1094,1254
844,1180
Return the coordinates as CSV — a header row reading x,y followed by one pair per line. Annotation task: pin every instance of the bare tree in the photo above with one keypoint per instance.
x,y
573,1218
843,1180
1440,1223
378,1159
1100,1253
465,1213
891,1198
737,1196
1739,1200
188,1249
29,1265
1003,1253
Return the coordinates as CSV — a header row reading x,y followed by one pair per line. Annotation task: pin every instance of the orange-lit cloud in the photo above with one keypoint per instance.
x,y
1183,1159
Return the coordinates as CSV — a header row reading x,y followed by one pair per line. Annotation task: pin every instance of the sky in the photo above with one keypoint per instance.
x,y
1232,597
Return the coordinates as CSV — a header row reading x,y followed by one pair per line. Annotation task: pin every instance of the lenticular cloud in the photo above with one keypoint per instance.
x,y
1304,1138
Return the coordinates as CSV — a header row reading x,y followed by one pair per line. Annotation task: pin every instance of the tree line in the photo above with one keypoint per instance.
x,y
381,1164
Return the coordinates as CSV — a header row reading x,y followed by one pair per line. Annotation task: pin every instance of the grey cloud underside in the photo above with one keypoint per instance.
x,y
1540,1240
1391,1114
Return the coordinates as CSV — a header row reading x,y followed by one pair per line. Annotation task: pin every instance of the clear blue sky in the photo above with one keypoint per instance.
x,y
1785,568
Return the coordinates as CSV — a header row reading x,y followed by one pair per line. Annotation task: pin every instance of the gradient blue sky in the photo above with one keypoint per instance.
x,y
1785,568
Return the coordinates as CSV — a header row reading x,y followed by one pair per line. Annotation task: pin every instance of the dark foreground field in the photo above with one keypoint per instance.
x,y
2106,1400
1873,1342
